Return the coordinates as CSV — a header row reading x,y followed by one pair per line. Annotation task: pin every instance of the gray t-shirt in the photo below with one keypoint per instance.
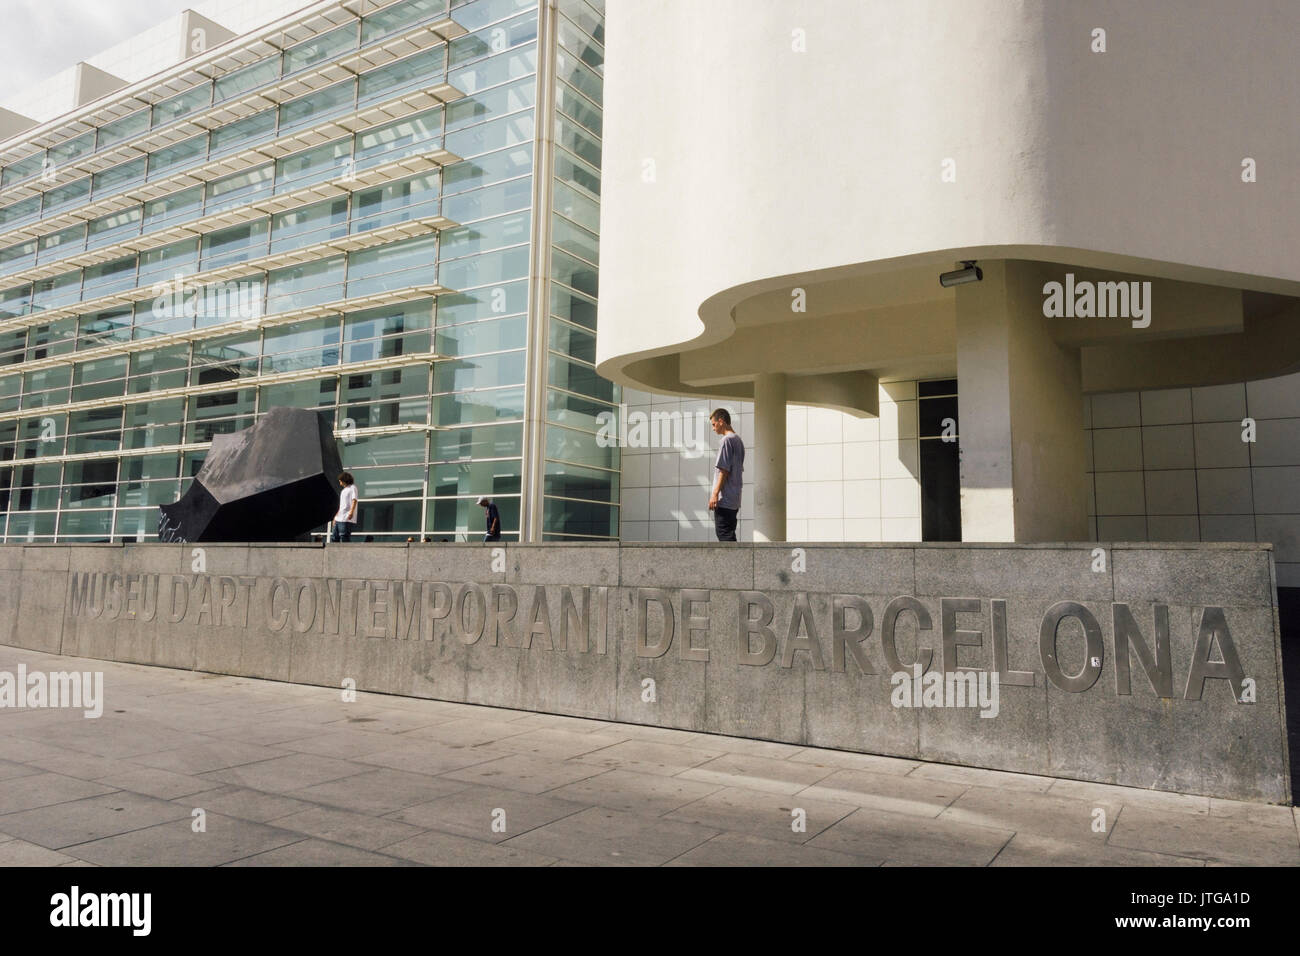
x,y
731,459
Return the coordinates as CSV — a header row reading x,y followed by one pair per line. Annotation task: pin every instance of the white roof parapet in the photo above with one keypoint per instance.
x,y
12,124
199,34
90,83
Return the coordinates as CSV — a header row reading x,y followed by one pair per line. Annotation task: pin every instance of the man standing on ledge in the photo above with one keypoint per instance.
x,y
493,520
725,500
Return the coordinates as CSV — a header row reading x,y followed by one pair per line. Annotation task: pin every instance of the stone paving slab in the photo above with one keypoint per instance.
x,y
80,821
744,849
289,775
489,813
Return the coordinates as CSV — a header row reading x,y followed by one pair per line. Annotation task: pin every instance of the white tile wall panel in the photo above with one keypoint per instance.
x,y
1227,527
861,460
1277,442
825,499
1120,493
1122,528
862,529
636,504
824,426
1172,493
1282,530
900,529
1219,403
1219,445
1117,410
861,499
1117,449
900,498
825,462
1167,446
825,529
1274,397
1168,407
1224,491
900,459
1172,528
1277,490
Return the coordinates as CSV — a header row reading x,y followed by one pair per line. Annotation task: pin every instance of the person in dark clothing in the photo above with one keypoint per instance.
x,y
493,520
724,502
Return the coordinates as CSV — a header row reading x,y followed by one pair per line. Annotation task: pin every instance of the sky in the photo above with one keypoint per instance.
x,y
52,35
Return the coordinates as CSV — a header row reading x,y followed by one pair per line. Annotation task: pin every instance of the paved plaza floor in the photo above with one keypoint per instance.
x,y
186,768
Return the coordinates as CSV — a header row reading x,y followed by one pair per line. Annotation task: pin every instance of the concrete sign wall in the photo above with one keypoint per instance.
x,y
1147,666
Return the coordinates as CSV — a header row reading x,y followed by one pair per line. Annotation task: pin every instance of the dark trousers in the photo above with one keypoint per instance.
x,y
724,523
342,531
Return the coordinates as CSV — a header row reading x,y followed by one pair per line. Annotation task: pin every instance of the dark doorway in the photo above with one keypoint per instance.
x,y
939,460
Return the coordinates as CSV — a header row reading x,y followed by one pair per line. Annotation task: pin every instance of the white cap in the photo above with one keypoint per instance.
x,y
482,501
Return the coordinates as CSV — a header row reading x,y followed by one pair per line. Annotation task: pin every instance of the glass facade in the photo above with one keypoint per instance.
x,y
409,278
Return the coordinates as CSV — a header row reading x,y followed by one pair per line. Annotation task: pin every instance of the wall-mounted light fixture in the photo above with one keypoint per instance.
x,y
970,273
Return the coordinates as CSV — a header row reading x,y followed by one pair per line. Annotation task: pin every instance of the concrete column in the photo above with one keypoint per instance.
x,y
769,462
1020,413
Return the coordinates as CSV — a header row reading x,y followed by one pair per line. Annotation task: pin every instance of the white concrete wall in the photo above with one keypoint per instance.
x,y
1115,160
847,479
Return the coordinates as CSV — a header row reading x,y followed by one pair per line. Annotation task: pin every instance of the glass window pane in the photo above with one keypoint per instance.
x,y
490,168
310,284
117,177
476,478
485,371
71,149
576,377
582,518
479,407
121,130
406,137
399,16
313,165
394,266
185,153
474,338
241,188
490,441
573,481
316,106
170,208
247,78
580,447
309,225
63,195
419,69
321,48
234,244
259,126
178,106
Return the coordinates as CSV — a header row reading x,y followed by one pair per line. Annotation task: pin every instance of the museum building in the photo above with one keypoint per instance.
x,y
384,210
1025,274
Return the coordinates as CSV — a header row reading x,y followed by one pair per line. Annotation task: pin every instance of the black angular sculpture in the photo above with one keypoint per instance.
x,y
274,481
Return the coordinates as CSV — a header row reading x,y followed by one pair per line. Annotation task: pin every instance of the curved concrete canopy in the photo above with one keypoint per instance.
x,y
856,150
